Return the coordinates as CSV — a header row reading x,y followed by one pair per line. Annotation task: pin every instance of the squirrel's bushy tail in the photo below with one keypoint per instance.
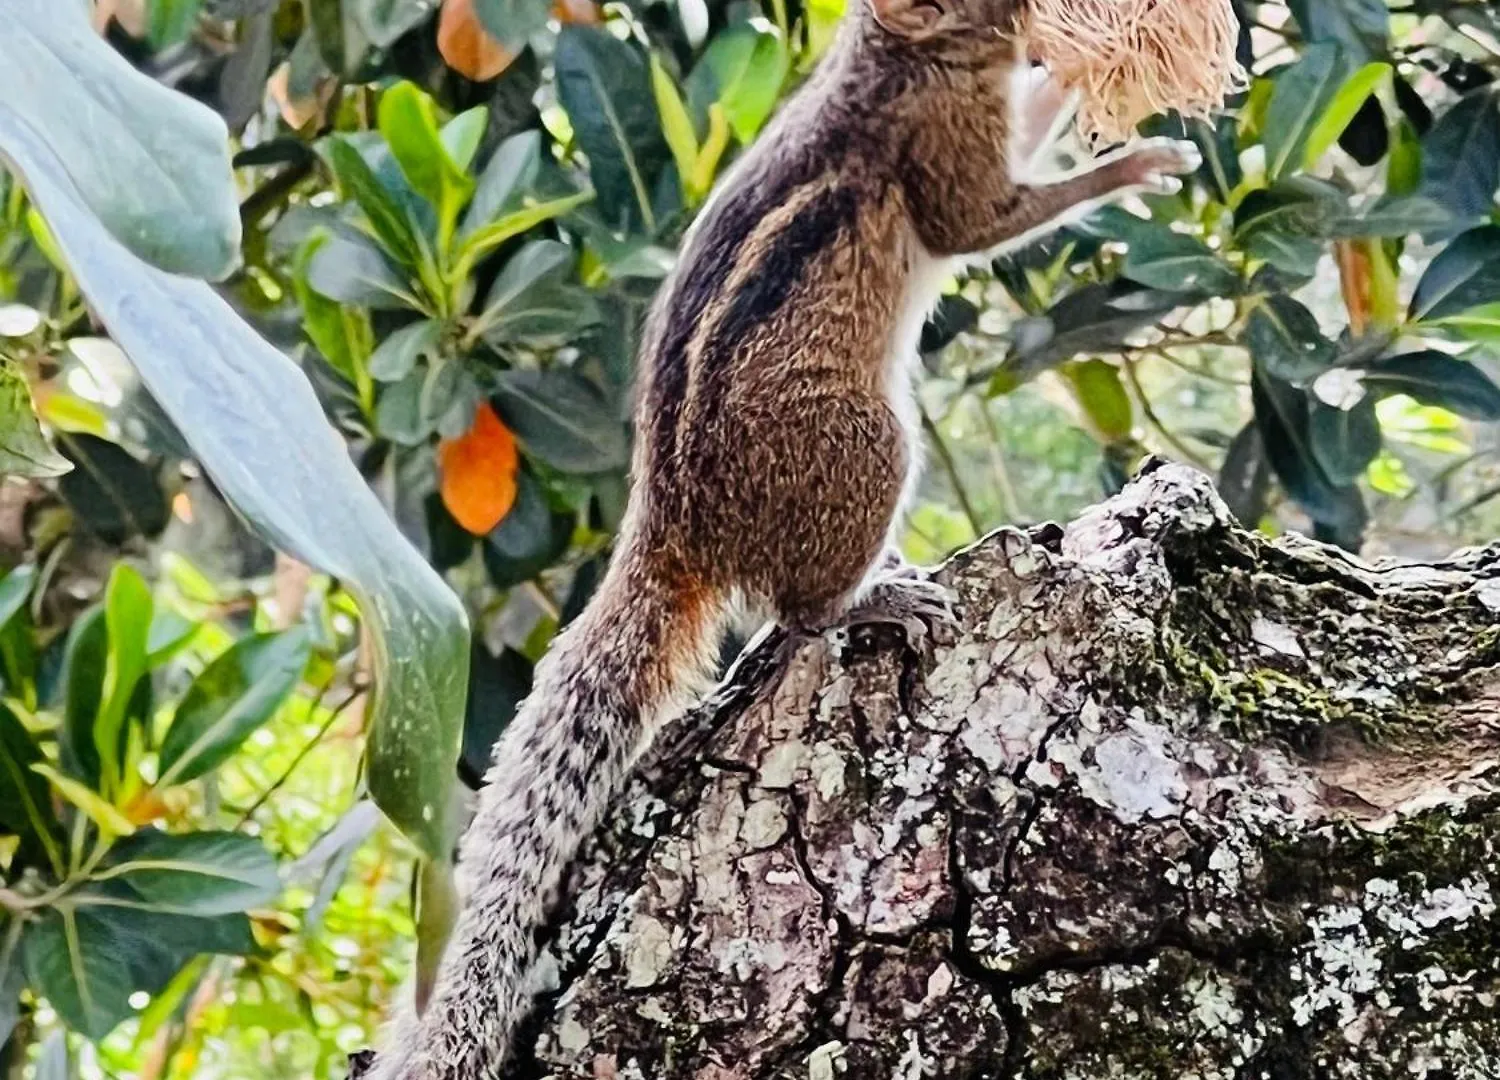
x,y
632,660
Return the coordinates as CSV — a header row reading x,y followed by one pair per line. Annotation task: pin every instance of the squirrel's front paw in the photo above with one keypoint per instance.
x,y
1156,164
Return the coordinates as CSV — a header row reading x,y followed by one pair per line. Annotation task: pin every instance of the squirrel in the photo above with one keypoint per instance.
x,y
777,440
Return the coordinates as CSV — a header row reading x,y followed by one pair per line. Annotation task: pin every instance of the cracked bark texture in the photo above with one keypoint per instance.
x,y
1173,800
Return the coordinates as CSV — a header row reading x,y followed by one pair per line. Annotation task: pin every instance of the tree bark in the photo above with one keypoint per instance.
x,y
1173,799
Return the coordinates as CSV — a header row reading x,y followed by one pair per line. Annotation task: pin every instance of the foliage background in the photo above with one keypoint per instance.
x,y
452,217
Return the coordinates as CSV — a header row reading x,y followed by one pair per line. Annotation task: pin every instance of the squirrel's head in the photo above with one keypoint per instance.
x,y
951,23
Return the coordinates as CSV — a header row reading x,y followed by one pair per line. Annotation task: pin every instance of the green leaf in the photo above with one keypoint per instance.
x,y
461,135
234,695
384,214
1245,477
529,539
25,808
1461,156
80,966
1175,262
1103,398
397,355
1344,441
151,164
1219,145
676,124
605,87
562,419
408,120
1302,96
170,21
228,390
1094,319
170,632
349,268
384,21
127,618
24,450
15,590
1436,378
83,683
198,873
1361,26
1349,99
513,22
1282,416
113,493
157,944
99,810
502,187
398,413
1465,275
534,300
749,67
488,237
1284,339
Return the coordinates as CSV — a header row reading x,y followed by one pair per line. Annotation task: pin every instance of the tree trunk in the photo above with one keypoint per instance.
x,y
1173,800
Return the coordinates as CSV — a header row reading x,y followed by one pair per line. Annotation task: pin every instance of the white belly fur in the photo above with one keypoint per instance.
x,y
925,278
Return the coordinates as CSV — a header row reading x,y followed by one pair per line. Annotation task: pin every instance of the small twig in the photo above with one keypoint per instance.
x,y
359,689
1183,365
1155,421
1011,503
951,468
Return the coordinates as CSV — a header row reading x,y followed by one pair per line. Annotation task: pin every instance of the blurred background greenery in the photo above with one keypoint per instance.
x,y
219,766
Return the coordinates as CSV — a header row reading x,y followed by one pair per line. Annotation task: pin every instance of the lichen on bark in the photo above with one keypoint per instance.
x,y
1171,800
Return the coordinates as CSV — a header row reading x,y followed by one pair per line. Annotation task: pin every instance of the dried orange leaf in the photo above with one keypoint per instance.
x,y
467,46
576,12
478,471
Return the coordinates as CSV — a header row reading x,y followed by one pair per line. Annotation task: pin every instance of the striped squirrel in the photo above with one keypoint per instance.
x,y
777,440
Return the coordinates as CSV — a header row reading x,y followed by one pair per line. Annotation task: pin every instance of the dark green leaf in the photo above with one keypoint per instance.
x,y
25,805
231,698
1284,339
1174,262
530,538
1095,319
497,686
380,207
605,86
1436,378
104,120
83,688
534,301
398,413
562,419
512,22
113,494
351,269
383,21
1294,256
158,943
1281,415
1297,206
505,182
199,873
1466,274
953,316
1303,93
1245,478
1344,441
1219,145
1461,156
79,964
225,388
398,354
1361,26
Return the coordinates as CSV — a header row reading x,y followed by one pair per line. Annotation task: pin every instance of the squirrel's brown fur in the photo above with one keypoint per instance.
x,y
776,440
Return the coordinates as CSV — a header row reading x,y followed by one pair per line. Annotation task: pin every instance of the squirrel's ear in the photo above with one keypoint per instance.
x,y
909,18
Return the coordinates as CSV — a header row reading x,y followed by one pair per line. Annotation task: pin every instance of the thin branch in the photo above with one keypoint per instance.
x,y
951,468
359,689
1149,413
